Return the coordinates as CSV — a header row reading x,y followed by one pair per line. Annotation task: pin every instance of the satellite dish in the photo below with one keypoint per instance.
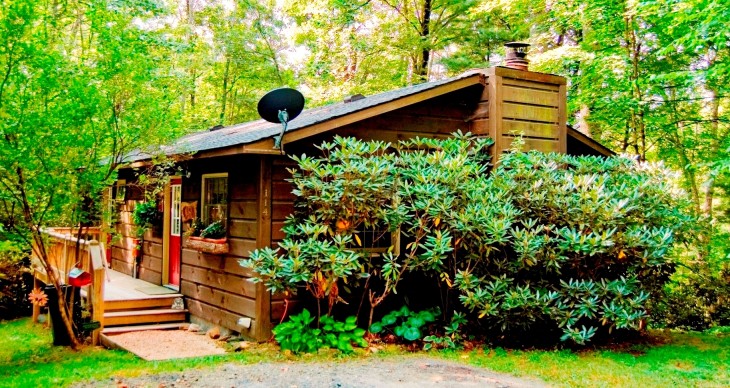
x,y
281,106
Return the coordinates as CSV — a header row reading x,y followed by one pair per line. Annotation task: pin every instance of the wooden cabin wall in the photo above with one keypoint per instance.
x,y
507,105
216,287
436,118
282,205
122,260
523,104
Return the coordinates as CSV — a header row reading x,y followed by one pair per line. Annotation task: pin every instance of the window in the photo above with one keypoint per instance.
x,y
119,190
175,216
376,240
214,198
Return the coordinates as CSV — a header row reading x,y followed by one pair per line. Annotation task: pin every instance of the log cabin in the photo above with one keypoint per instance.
x,y
235,174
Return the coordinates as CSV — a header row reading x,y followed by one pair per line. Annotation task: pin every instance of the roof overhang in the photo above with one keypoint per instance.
x,y
266,146
590,142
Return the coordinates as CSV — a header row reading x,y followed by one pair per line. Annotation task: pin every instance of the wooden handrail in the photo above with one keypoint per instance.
x,y
62,255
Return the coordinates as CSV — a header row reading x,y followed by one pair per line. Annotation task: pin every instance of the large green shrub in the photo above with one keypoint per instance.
x,y
576,244
586,246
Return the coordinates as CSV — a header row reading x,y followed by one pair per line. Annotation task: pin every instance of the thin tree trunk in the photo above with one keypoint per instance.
x,y
42,253
422,70
224,96
715,126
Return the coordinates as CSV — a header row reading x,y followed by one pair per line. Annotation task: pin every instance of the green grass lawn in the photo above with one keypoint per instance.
x,y
27,359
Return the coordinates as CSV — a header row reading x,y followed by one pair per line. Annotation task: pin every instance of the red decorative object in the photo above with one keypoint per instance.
x,y
38,297
79,278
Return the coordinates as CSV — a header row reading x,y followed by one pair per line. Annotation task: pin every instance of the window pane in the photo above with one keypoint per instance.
x,y
215,194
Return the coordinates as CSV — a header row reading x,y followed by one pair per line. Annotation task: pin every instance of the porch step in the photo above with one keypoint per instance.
x,y
128,329
152,302
135,317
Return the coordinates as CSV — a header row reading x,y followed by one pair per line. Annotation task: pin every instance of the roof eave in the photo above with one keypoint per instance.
x,y
266,146
590,142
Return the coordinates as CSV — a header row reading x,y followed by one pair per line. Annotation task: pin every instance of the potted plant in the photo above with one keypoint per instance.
x,y
215,232
196,228
211,239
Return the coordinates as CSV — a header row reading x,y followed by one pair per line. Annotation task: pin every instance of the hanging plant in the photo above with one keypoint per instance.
x,y
145,216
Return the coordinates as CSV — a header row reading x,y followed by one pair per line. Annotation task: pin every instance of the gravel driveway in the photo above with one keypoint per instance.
x,y
406,372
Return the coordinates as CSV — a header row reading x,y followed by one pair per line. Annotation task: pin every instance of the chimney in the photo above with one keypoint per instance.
x,y
516,57
353,98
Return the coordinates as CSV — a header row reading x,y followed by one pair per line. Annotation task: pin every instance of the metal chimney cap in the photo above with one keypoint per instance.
x,y
517,45
516,55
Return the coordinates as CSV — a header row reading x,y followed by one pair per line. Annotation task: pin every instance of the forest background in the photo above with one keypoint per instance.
x,y
86,82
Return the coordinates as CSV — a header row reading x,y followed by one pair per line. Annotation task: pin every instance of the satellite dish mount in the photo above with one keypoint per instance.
x,y
281,106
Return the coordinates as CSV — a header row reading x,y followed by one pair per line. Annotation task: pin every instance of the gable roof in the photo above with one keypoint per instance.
x,y
256,137
255,131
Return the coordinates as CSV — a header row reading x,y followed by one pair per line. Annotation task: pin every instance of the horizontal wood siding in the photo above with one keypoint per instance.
x,y
528,105
282,207
216,287
150,265
282,198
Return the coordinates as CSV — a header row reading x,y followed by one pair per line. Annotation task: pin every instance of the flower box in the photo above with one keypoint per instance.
x,y
207,245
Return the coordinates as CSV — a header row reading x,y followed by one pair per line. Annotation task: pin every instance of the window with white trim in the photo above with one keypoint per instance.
x,y
175,213
214,198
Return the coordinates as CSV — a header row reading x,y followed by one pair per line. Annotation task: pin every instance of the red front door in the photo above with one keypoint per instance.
x,y
175,232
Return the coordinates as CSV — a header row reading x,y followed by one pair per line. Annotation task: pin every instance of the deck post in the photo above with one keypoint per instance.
x,y
97,288
262,326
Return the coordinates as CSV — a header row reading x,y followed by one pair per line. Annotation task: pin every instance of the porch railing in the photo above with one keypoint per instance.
x,y
66,251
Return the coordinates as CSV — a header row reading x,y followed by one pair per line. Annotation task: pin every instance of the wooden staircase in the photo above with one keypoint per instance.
x,y
154,312
134,305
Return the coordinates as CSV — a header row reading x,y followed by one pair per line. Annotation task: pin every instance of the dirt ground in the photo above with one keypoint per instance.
x,y
406,372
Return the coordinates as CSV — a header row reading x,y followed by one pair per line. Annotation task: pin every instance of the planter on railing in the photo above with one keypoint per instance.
x,y
207,245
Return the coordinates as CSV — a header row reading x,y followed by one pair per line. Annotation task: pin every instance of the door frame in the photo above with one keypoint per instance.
x,y
166,227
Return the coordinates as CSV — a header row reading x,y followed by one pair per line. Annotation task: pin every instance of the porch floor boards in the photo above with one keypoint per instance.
x,y
122,287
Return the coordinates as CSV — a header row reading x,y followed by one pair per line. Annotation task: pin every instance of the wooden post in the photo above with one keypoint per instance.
x,y
495,113
262,324
64,261
562,120
97,288
36,307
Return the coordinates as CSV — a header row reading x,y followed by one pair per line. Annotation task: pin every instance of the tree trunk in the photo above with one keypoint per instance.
x,y
422,69
224,96
42,253
717,139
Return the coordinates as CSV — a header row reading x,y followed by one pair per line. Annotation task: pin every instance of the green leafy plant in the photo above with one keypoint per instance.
x,y
145,215
15,281
405,323
341,335
452,334
300,334
547,242
215,230
196,227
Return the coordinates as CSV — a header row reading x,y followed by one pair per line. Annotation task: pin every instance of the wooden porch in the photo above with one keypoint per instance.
x,y
119,302
132,304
